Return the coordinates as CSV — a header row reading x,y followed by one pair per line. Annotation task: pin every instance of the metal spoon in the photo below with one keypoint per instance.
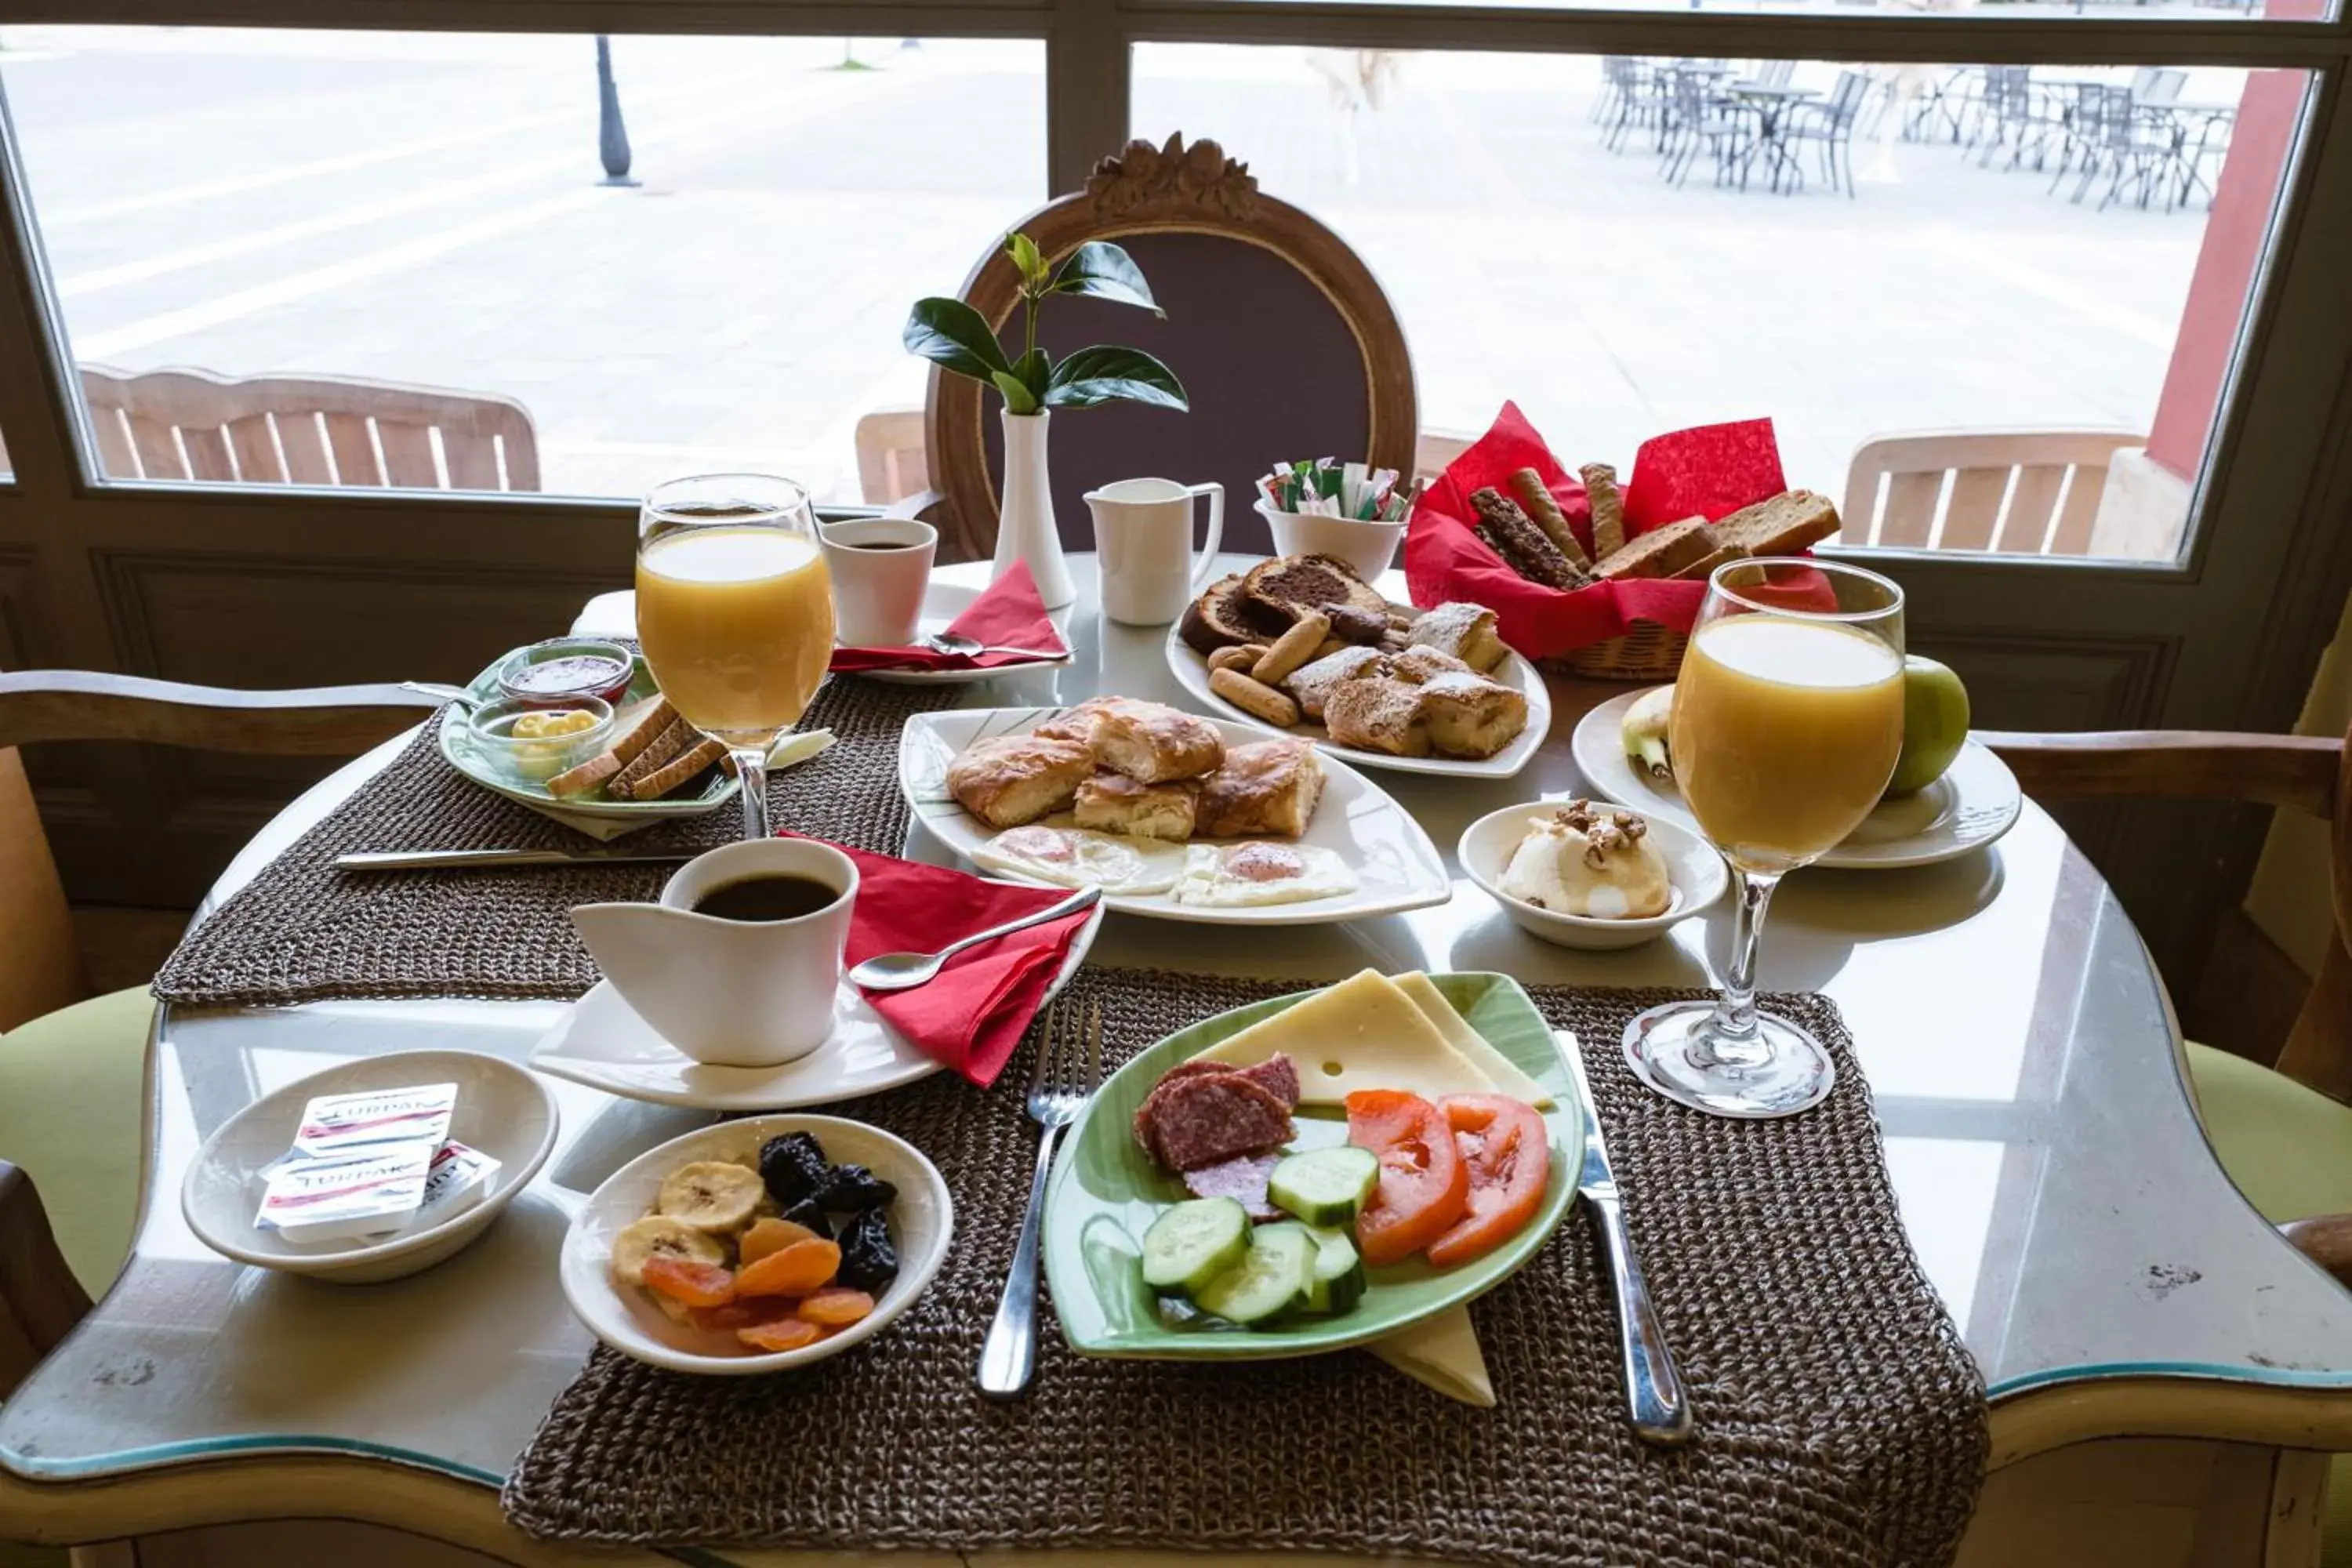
x,y
905,971
971,647
457,694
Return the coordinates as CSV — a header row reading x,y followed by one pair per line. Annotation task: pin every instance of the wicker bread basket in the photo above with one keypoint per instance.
x,y
1648,652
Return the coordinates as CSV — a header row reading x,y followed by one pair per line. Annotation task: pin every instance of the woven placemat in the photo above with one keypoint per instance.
x,y
303,932
1840,1421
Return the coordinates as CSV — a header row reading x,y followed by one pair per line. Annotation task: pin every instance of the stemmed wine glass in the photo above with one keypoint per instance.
x,y
735,613
1788,720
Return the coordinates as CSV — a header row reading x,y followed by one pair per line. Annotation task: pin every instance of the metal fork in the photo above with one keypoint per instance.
x,y
1069,1069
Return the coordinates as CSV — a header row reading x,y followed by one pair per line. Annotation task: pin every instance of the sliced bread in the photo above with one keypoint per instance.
x,y
1289,585
1781,525
1661,552
1224,617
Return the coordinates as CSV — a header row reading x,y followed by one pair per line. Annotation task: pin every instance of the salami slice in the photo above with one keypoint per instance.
x,y
1243,1177
1275,1075
1208,1117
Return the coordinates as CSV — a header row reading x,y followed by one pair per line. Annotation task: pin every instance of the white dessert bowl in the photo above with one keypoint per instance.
x,y
1694,870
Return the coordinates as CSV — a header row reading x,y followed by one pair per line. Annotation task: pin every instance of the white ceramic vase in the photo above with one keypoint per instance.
x,y
1024,524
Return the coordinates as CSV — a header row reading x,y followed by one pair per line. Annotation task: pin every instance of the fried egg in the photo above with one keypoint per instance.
x,y
1237,876
1082,858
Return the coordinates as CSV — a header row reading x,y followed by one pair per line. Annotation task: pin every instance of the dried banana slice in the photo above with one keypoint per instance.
x,y
712,1194
659,1236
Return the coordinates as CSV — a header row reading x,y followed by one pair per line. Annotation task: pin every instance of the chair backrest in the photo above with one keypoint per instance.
x,y
307,430
2163,90
1435,452
38,969
890,463
1845,98
1285,343
2033,493
1776,73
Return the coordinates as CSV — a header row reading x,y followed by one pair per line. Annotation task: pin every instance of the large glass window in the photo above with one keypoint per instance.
x,y
1996,307
396,258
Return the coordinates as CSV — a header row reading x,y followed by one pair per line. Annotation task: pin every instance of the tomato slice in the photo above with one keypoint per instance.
x,y
1425,1188
1506,1150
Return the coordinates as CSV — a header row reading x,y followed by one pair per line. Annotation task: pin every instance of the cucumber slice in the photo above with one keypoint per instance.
x,y
1338,1278
1193,1243
1325,1186
1272,1280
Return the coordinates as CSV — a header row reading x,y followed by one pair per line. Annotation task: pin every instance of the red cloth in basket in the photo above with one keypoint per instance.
x,y
1710,471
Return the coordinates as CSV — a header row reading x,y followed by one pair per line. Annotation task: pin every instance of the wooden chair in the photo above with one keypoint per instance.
x,y
40,1297
2306,774
1435,452
2028,492
1283,339
184,425
891,465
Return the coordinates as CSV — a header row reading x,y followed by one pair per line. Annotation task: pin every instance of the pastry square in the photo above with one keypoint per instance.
x,y
1312,684
1379,715
1113,803
1152,744
1015,779
1266,786
1471,716
1465,630
1420,662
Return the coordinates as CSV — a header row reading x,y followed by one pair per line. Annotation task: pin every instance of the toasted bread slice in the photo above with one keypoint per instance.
x,y
1289,585
1661,552
681,767
1224,617
640,726
1700,569
1781,525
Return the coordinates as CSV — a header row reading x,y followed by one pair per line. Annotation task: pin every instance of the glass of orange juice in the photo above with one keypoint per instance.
x,y
1788,720
734,613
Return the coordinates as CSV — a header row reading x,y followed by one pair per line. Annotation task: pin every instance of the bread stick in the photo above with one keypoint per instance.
x,y
1527,489
1608,509
1254,697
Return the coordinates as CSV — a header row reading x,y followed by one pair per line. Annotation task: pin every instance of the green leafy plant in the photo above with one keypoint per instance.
x,y
955,337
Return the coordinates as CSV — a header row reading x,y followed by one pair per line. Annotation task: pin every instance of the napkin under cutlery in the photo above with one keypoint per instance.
x,y
1009,614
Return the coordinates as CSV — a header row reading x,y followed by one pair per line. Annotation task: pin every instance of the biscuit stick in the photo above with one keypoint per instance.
x,y
1608,509
1527,489
1513,536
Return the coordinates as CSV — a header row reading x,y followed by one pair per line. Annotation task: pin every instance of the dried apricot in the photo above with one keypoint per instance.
x,y
789,1334
836,1307
772,1235
741,1313
793,1271
694,1284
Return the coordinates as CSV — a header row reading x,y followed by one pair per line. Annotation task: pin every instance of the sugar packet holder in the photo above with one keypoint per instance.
x,y
1324,487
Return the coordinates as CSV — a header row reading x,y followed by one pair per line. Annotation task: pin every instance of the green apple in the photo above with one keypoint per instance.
x,y
1935,724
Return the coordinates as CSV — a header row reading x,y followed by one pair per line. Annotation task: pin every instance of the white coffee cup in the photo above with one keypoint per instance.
x,y
731,993
1143,534
881,567
1369,547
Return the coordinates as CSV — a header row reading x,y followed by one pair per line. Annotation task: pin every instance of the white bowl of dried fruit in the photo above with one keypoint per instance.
x,y
1587,875
757,1245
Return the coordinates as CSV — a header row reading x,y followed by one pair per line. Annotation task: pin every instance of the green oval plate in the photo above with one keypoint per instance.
x,y
457,747
1105,1193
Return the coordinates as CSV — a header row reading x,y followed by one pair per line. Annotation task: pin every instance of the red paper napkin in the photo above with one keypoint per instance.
x,y
1712,470
974,1014
1009,615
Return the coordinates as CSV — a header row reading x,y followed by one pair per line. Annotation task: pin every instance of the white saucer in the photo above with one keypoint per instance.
x,y
602,1043
942,603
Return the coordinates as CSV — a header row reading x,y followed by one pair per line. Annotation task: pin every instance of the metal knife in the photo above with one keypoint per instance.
x,y
1654,1401
471,860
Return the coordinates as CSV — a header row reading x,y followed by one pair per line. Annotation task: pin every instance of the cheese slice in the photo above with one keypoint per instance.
x,y
1363,1032
1509,1079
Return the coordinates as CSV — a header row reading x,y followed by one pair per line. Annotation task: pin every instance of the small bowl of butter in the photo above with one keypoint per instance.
x,y
530,743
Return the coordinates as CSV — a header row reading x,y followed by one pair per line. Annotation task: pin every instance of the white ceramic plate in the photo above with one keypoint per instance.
x,y
921,1221
1694,869
1396,866
457,747
602,1043
1192,672
1973,804
942,603
501,1110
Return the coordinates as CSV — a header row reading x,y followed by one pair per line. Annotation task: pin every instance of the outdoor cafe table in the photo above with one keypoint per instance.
x,y
1772,102
2025,1063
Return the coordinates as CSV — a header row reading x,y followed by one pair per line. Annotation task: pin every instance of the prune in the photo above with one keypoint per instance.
x,y
853,1187
868,1261
793,1166
807,1213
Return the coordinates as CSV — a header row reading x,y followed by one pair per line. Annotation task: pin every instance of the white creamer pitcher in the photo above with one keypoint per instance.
x,y
731,993
1143,537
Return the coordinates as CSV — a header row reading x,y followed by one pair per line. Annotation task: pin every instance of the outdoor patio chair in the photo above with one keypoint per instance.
x,y
890,463
184,425
1700,120
1639,100
1282,337
1829,125
2031,492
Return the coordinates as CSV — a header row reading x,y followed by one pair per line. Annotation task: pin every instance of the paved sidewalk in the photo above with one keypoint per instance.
x,y
426,210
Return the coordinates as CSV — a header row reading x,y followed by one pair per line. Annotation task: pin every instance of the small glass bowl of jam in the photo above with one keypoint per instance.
x,y
530,743
563,669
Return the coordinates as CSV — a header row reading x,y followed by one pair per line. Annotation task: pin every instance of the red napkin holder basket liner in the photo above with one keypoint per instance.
x,y
1631,630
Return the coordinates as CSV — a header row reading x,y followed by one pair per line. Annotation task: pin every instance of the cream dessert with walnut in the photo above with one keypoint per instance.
x,y
1584,859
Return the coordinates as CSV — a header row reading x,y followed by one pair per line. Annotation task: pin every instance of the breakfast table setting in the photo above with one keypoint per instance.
x,y
1162,1050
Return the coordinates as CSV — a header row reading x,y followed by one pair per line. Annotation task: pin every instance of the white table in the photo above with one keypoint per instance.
x,y
2108,1279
